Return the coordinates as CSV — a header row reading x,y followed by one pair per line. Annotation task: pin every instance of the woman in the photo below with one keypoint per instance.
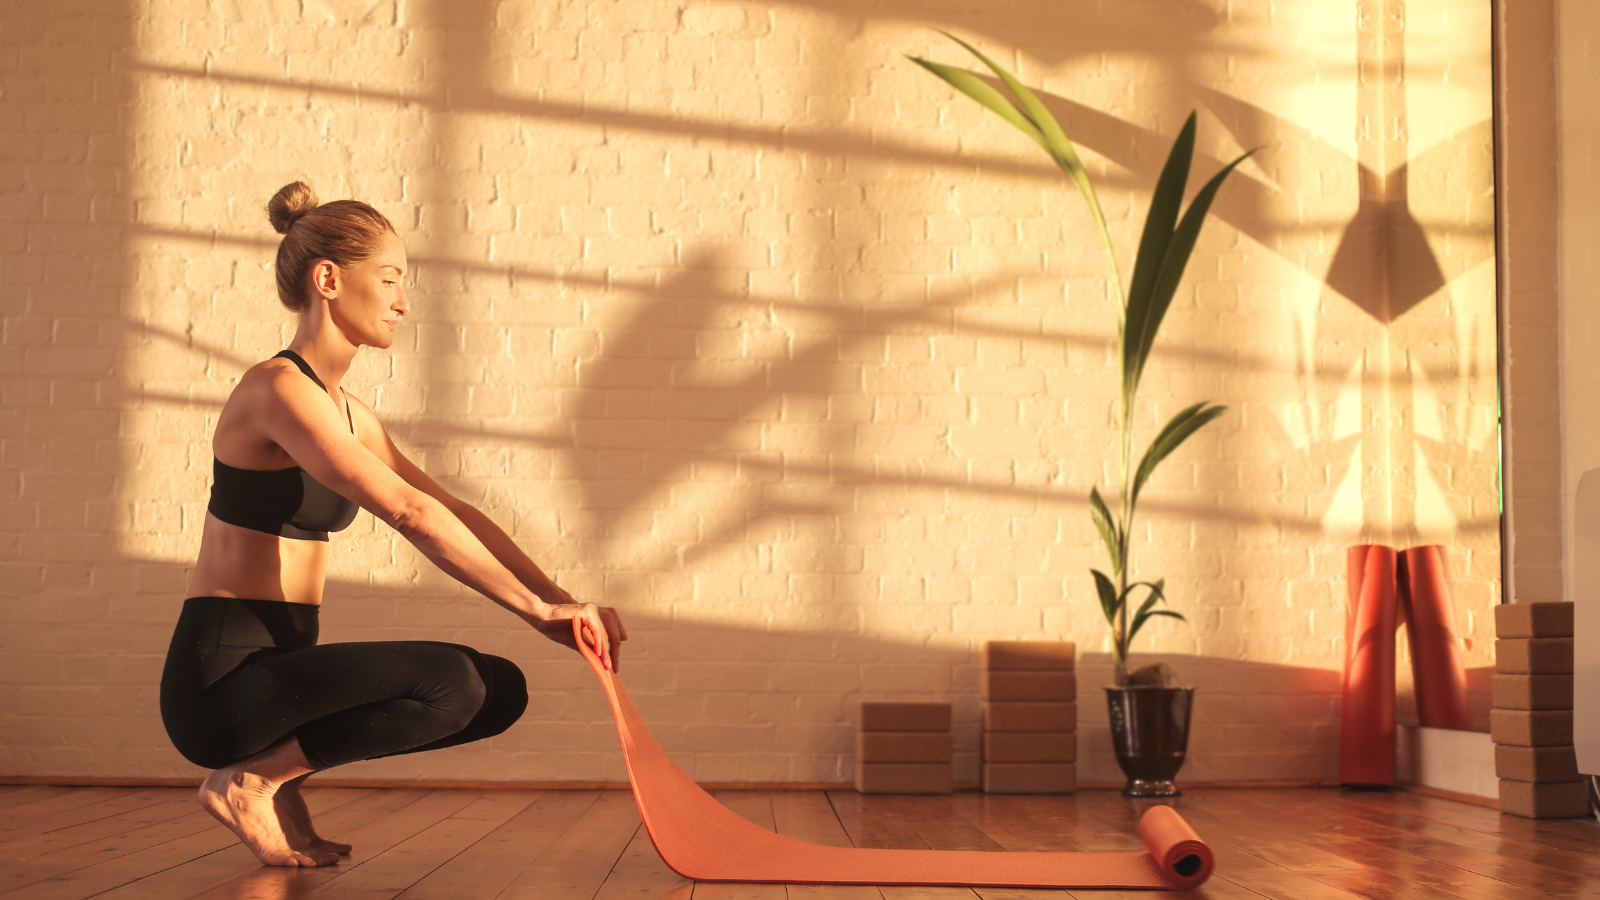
x,y
247,690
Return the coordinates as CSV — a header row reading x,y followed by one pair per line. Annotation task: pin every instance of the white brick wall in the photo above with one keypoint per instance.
x,y
744,324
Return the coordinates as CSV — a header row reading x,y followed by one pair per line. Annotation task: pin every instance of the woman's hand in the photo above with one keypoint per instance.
x,y
603,623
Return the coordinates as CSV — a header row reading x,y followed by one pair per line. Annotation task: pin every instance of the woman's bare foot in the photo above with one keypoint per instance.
x,y
241,796
296,819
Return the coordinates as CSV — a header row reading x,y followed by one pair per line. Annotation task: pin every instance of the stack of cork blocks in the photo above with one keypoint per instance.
x,y
1029,691
903,748
1531,719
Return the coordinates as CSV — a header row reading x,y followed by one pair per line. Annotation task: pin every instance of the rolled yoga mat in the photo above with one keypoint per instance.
x,y
1366,718
1437,672
701,839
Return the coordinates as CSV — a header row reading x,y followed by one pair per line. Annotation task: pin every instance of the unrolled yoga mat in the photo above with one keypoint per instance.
x,y
701,839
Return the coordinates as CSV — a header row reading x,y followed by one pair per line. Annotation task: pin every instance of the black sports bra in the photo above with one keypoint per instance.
x,y
285,502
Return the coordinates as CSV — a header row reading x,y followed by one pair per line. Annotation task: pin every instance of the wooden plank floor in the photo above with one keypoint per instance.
x,y
59,843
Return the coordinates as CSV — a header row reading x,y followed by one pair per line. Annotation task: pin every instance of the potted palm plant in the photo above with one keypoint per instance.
x,y
1149,711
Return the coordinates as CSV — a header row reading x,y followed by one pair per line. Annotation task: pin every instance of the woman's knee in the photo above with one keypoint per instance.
x,y
508,699
457,684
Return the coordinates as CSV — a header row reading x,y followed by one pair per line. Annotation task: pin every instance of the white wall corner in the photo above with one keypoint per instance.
x,y
1459,761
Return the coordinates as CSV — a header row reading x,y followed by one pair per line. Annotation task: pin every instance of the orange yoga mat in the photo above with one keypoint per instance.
x,y
1437,671
1366,726
701,839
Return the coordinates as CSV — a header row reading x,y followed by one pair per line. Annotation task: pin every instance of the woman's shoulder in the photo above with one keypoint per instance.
x,y
259,396
275,385
270,376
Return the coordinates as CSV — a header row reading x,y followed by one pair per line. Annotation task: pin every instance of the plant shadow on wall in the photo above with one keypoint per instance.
x,y
1440,369
1420,222
1330,431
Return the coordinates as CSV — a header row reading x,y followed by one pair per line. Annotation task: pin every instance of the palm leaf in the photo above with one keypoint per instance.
x,y
1173,263
1109,601
1055,143
991,99
1106,526
1138,622
1157,595
1172,436
1165,205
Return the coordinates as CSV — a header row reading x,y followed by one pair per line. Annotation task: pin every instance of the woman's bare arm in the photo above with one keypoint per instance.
x,y
295,414
493,537
484,528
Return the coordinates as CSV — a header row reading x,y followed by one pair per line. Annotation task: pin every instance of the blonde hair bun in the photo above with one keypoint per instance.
x,y
344,232
290,203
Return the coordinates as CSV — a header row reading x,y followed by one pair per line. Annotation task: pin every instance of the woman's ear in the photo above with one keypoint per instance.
x,y
325,278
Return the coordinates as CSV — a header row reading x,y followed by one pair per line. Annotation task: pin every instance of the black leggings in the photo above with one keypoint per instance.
x,y
242,675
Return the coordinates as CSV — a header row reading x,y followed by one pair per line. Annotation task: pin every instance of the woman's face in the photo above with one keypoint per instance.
x,y
370,298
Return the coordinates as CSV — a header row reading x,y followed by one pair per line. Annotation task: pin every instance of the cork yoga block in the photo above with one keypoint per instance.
x,y
903,778
1030,747
1544,801
1028,656
1030,716
1028,686
1533,620
1531,692
1030,778
904,746
1533,656
1531,727
881,715
1538,765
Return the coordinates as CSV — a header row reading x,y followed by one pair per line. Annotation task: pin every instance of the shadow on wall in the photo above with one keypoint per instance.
x,y
1264,203
728,704
1384,264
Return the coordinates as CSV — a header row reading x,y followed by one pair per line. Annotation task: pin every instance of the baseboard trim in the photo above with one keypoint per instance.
x,y
84,781
384,783
397,784
400,784
431,785
1442,794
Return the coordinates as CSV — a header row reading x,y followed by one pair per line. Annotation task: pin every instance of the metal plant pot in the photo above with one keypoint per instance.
x,y
1150,732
